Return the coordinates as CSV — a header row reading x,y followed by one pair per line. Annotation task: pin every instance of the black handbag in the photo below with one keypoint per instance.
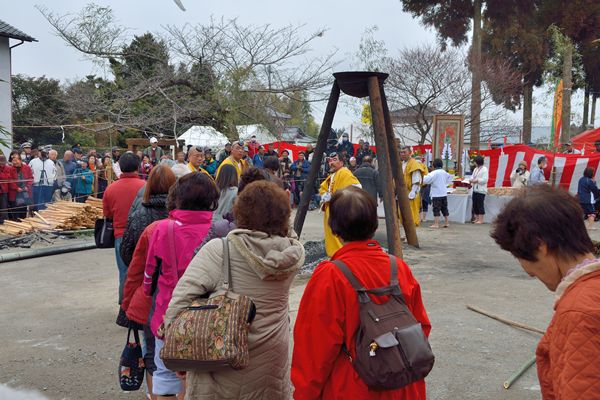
x,y
104,233
131,364
125,322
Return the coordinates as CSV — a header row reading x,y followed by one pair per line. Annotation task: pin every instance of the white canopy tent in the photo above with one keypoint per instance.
x,y
260,131
205,136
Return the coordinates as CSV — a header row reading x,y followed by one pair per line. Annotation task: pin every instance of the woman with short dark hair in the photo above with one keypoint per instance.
x,y
588,193
328,317
553,246
271,164
263,262
171,247
250,175
479,181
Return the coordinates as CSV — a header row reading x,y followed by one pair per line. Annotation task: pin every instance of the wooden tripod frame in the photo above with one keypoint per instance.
x,y
395,193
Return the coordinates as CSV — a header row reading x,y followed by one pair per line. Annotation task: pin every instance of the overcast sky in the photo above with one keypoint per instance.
x,y
346,21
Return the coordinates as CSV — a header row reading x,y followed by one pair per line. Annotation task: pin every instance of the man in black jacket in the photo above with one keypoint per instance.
x,y
369,178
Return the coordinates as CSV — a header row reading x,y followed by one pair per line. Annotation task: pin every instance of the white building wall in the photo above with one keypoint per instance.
x,y
5,96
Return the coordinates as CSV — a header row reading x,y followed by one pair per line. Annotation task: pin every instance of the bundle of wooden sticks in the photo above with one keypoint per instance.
x,y
62,215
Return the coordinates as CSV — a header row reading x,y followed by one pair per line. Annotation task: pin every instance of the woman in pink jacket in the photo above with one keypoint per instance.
x,y
171,249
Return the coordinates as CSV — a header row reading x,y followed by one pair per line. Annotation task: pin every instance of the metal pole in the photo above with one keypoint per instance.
x,y
389,198
22,255
402,193
309,187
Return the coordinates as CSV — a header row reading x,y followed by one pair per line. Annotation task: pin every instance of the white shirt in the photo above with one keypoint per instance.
x,y
481,176
439,181
117,169
38,166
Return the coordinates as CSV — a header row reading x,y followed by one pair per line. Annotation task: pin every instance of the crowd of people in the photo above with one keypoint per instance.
x,y
169,253
169,218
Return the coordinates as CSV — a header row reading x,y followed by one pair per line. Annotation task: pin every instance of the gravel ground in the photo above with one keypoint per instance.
x,y
59,335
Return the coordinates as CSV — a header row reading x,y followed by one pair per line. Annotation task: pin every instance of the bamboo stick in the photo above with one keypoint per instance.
x,y
505,321
519,373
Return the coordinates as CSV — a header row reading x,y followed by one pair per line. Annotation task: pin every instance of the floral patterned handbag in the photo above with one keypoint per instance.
x,y
211,333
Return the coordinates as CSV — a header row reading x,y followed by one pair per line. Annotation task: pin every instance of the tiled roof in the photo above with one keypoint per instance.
x,y
11,32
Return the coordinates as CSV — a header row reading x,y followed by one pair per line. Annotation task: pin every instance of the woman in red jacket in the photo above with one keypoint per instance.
x,y
328,317
553,245
19,188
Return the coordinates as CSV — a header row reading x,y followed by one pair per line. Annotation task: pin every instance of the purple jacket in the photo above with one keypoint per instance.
x,y
189,231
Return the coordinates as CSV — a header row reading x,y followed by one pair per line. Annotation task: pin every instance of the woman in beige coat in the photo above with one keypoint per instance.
x,y
264,262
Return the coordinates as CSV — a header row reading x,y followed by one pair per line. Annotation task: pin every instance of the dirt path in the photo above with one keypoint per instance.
x,y
59,335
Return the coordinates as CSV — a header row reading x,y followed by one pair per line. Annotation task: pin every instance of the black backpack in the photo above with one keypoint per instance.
x,y
391,348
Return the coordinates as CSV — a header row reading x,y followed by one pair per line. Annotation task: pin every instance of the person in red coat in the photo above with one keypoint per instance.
x,y
328,317
19,188
135,303
117,201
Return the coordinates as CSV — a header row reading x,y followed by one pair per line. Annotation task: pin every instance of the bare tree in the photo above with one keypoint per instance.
x,y
426,81
222,69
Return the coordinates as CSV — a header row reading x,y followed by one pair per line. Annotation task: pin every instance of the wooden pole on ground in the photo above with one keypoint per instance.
x,y
506,321
401,192
311,180
389,199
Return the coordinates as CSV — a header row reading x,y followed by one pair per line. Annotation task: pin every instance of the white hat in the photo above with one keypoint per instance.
x,y
153,140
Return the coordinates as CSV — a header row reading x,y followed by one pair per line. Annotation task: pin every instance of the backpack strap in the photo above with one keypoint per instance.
x,y
396,292
363,297
171,236
226,265
363,294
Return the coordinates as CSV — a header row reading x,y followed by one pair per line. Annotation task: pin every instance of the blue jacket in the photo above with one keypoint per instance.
x,y
304,173
258,160
585,188
83,186
536,177
211,167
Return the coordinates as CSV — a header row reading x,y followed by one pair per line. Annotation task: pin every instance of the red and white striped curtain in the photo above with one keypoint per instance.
x,y
569,167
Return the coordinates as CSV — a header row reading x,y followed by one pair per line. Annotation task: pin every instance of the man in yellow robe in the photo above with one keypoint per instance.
x,y
414,172
235,159
195,160
339,178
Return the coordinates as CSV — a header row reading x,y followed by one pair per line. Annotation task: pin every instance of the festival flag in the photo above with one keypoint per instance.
x,y
557,115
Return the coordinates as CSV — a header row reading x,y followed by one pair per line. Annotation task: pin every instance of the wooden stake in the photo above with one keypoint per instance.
x,y
401,192
389,198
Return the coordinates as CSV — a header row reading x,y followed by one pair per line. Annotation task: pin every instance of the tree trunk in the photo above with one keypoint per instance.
x,y
593,114
527,111
565,134
476,79
586,107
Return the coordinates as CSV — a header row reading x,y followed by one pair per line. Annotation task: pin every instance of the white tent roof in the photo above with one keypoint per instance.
x,y
262,133
205,136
